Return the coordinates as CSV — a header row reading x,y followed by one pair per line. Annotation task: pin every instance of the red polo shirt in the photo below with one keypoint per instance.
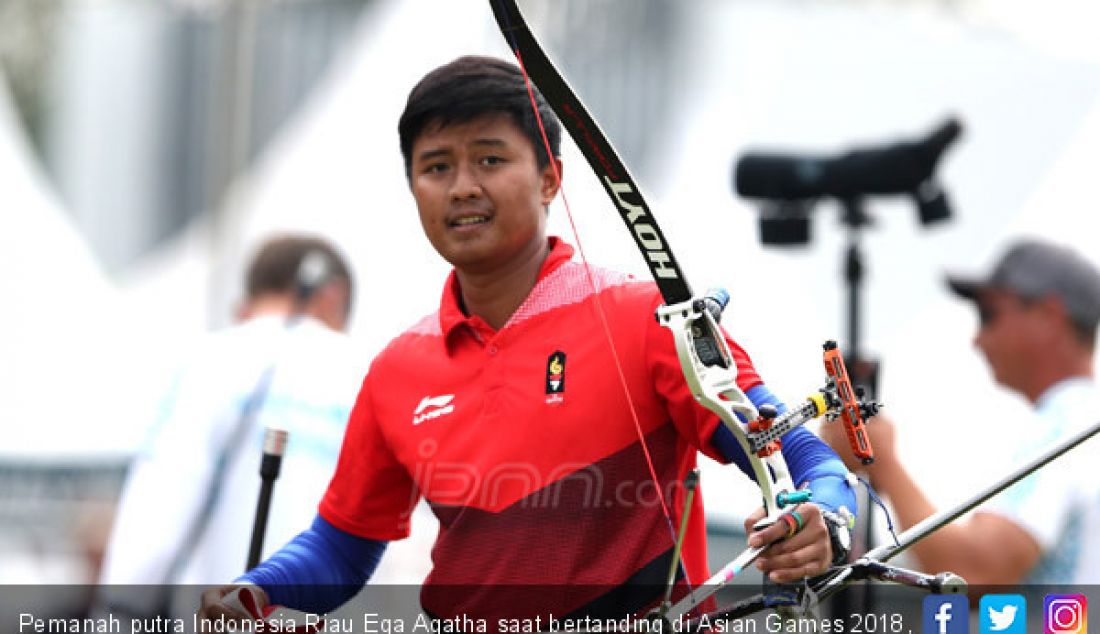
x,y
523,442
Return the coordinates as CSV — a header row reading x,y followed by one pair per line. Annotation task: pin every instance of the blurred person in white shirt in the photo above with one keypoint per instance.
x,y
186,513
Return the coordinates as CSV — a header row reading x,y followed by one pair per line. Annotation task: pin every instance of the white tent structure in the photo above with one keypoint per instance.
x,y
66,366
68,377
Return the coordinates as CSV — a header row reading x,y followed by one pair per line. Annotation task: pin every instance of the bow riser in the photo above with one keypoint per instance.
x,y
714,386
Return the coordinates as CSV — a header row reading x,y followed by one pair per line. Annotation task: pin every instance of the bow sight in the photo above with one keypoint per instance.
x,y
836,400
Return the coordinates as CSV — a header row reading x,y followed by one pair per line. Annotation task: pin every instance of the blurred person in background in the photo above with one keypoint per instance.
x,y
187,508
1038,313
501,408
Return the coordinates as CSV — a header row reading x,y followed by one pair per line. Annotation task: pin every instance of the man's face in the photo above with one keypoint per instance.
x,y
1010,332
480,193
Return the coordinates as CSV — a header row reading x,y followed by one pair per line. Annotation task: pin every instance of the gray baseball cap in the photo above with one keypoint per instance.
x,y
1034,269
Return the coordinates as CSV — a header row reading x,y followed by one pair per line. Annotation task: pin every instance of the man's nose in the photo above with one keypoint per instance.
x,y
466,183
979,340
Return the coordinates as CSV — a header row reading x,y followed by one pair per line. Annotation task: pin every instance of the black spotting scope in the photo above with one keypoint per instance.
x,y
906,167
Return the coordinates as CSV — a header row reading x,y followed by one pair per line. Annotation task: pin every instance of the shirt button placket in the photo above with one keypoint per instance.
x,y
494,379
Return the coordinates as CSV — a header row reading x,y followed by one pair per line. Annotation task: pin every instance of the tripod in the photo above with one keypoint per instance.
x,y
864,373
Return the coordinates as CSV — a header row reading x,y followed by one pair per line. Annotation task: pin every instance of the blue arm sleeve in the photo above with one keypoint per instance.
x,y
809,459
318,570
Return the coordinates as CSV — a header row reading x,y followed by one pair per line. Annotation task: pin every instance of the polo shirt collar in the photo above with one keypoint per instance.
x,y
451,315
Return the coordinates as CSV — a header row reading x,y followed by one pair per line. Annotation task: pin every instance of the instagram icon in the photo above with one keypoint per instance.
x,y
1065,614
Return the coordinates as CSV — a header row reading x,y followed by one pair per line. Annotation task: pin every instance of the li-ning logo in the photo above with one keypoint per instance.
x,y
441,406
645,232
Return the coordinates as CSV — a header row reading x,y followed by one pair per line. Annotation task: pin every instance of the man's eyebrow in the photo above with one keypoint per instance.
x,y
491,141
428,155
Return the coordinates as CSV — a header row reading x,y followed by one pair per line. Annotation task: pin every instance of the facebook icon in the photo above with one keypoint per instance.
x,y
946,614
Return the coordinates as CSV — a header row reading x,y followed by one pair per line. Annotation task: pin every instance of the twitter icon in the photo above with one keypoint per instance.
x,y
1003,614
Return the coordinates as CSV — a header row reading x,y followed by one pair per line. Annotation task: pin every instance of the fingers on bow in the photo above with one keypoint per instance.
x,y
802,549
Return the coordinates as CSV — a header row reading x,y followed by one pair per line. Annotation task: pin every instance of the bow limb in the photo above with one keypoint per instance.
x,y
705,359
597,150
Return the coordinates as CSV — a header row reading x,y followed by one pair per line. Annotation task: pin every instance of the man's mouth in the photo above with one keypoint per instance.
x,y
466,221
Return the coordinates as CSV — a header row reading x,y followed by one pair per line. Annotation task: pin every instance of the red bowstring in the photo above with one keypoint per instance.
x,y
599,303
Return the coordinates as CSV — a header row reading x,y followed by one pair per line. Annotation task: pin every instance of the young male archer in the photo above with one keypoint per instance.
x,y
544,467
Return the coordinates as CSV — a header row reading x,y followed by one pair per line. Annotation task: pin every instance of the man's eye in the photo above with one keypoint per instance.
x,y
435,168
492,160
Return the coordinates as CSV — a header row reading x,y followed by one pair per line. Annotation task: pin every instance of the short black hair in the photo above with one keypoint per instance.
x,y
274,268
472,86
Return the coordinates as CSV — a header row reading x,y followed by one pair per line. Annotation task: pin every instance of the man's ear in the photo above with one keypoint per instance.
x,y
550,184
1055,315
329,305
1054,308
